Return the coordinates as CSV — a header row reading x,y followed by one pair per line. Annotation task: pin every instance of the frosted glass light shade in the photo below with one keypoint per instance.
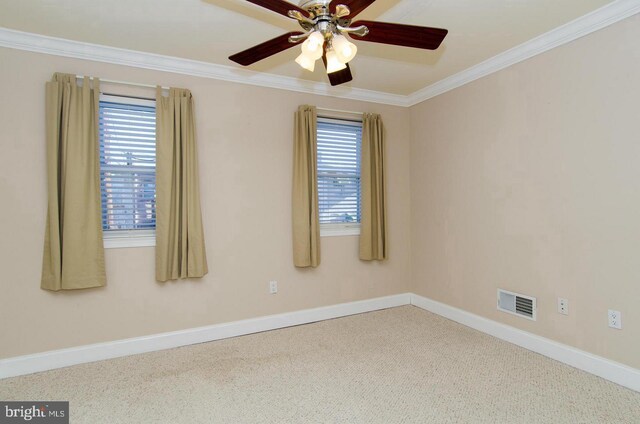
x,y
333,64
345,50
312,46
306,62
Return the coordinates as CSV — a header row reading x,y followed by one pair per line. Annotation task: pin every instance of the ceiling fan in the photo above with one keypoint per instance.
x,y
325,25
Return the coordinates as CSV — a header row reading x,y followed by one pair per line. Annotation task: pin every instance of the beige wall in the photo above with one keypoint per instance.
x,y
245,145
529,180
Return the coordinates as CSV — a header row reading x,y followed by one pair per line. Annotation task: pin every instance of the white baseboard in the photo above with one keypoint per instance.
x,y
602,367
597,365
44,361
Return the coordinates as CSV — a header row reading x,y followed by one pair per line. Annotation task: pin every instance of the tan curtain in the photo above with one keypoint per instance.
x,y
180,249
306,224
373,226
73,250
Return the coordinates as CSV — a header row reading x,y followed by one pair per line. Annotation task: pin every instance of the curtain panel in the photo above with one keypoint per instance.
x,y
306,222
373,225
73,247
180,247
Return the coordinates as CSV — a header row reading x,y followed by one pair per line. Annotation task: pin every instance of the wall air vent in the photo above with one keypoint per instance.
x,y
517,304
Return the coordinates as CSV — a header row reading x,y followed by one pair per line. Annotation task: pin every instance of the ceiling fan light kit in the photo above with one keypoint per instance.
x,y
333,63
306,62
345,50
312,46
325,23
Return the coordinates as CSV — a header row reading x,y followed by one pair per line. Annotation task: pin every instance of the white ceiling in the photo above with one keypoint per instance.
x,y
212,30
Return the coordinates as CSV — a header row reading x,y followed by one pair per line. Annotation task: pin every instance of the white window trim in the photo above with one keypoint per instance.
x,y
116,239
341,229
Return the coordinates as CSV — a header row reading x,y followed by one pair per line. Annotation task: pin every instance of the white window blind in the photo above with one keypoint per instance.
x,y
339,144
127,163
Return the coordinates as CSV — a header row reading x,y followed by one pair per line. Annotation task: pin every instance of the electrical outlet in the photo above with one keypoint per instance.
x,y
273,287
563,306
615,319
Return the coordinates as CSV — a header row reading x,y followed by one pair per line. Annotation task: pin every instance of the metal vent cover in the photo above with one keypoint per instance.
x,y
517,304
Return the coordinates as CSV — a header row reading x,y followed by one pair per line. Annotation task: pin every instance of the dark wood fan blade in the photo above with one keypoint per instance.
x,y
402,35
356,6
264,50
278,6
338,77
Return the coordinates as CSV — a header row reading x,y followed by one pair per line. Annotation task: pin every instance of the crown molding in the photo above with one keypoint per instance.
x,y
591,22
78,50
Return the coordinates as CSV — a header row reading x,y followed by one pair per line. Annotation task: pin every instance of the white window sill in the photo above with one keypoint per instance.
x,y
134,238
337,230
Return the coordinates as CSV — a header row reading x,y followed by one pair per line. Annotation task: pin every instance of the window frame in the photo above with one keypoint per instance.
x,y
342,228
115,239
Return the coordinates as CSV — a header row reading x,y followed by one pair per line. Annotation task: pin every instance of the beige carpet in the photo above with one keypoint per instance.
x,y
401,365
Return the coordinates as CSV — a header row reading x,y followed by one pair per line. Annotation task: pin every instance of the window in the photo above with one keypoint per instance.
x,y
128,170
339,144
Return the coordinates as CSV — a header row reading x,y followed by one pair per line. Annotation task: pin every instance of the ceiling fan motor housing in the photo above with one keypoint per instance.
x,y
320,18
314,4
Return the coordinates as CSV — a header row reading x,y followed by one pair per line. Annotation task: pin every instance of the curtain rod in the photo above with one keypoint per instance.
x,y
339,111
134,84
